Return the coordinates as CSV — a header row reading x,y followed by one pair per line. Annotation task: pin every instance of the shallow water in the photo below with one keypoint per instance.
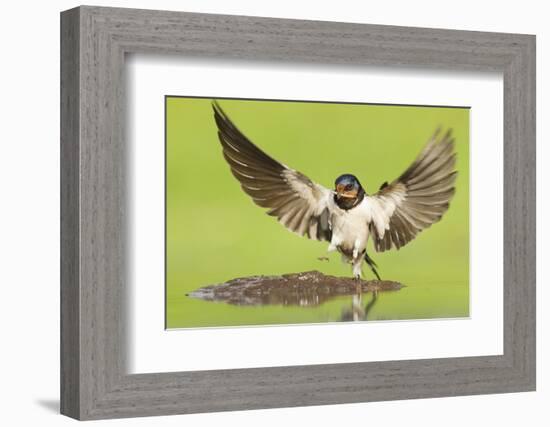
x,y
426,301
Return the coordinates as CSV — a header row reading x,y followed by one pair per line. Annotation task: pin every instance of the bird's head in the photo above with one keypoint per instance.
x,y
347,191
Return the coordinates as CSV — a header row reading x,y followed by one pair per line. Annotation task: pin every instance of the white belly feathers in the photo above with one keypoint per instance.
x,y
350,230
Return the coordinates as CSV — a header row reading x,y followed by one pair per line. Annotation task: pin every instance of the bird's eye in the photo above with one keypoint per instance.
x,y
348,187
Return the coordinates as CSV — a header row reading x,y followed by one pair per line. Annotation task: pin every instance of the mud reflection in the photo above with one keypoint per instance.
x,y
309,289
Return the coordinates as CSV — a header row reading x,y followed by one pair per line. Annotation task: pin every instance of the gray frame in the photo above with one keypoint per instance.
x,y
94,382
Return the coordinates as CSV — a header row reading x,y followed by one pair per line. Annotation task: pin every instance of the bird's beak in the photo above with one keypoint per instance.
x,y
342,195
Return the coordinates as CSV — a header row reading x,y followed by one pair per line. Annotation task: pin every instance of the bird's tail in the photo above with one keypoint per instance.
x,y
372,265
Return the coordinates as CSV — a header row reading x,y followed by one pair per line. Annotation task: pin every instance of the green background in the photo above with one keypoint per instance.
x,y
214,232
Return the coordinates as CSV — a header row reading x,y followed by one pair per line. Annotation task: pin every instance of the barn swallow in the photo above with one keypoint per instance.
x,y
347,216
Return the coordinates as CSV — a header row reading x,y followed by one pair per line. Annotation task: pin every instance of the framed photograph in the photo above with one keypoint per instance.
x,y
262,213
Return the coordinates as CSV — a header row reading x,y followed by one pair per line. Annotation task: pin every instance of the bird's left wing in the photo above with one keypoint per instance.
x,y
298,203
415,200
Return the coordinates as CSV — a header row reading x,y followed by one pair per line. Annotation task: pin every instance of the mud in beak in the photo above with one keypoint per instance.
x,y
347,196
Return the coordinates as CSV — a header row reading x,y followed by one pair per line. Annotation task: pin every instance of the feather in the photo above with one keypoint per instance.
x,y
418,198
297,202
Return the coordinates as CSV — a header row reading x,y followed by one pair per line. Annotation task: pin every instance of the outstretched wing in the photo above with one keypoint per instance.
x,y
298,203
417,199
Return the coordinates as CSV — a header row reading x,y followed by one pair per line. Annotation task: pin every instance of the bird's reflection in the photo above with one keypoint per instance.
x,y
357,311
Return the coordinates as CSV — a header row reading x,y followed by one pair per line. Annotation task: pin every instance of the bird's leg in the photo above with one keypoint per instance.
x,y
372,265
357,270
356,246
357,262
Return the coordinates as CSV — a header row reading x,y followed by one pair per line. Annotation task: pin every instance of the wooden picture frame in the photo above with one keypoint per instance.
x,y
94,381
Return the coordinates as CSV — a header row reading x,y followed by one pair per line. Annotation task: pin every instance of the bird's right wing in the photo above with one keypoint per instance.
x,y
298,203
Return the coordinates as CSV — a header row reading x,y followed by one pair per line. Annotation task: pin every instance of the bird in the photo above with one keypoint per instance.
x,y
346,216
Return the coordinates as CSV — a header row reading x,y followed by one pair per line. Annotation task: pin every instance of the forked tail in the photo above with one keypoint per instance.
x,y
372,265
